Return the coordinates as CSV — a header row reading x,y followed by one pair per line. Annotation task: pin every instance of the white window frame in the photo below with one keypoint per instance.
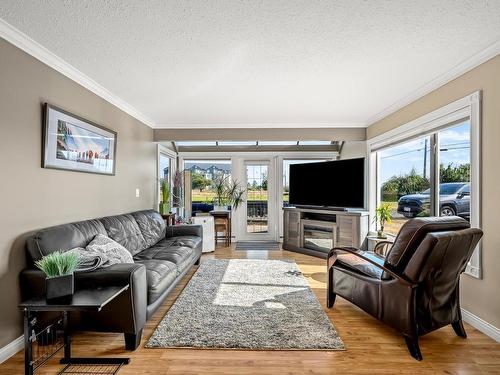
x,y
172,155
469,108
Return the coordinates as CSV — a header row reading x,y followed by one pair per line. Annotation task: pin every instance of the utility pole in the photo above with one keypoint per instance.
x,y
425,157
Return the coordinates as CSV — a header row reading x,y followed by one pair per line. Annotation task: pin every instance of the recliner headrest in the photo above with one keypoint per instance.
x,y
413,232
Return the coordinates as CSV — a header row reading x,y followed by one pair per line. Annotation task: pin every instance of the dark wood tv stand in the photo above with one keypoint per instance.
x,y
315,231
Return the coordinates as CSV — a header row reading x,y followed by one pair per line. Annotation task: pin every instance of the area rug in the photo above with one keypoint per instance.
x,y
258,245
247,304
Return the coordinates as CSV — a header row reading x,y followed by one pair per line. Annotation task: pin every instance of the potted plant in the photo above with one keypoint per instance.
x,y
383,216
58,268
165,196
227,194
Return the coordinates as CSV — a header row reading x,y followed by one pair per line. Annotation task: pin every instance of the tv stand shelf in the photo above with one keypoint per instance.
x,y
315,231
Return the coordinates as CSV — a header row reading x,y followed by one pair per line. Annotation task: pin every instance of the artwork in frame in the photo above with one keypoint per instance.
x,y
73,143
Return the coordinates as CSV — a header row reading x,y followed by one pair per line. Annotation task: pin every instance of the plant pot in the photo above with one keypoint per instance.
x,y
381,234
59,288
220,208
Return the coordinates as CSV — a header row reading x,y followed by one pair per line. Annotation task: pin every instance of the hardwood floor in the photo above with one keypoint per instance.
x,y
372,348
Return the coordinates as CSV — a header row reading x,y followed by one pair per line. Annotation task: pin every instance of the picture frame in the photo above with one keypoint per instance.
x,y
73,143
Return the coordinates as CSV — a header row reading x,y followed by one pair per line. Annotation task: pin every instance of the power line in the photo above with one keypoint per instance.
x,y
421,149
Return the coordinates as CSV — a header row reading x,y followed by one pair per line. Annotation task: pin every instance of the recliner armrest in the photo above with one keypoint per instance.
x,y
184,230
333,254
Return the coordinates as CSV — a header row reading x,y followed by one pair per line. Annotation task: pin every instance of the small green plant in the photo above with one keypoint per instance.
x,y
58,263
165,196
383,216
228,193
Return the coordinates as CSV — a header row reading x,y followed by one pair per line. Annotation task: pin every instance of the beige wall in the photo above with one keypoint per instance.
x,y
32,197
481,297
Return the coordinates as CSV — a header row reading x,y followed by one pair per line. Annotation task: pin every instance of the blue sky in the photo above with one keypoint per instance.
x,y
454,148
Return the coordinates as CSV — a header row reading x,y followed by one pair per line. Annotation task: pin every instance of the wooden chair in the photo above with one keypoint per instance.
x,y
222,223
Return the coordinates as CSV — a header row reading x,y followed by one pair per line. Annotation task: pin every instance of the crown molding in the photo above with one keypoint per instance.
x,y
260,125
460,69
39,52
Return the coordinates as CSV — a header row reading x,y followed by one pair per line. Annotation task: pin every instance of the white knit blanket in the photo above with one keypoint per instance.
x,y
101,252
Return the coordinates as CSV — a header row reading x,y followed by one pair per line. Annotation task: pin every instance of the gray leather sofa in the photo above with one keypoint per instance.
x,y
162,256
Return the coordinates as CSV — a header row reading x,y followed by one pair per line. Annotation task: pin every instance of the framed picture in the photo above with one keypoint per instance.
x,y
73,143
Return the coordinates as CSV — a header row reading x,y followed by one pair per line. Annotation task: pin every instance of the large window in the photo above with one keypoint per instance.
x,y
453,134
454,170
407,170
203,175
165,163
404,181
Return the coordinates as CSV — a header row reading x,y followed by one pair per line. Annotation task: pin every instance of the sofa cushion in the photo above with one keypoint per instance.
x,y
189,241
152,226
63,237
181,256
160,274
125,230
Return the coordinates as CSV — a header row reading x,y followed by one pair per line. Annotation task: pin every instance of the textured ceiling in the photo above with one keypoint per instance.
x,y
250,62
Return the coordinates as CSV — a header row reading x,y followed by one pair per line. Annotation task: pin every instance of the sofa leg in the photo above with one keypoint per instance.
x,y
330,296
459,329
413,347
132,340
197,263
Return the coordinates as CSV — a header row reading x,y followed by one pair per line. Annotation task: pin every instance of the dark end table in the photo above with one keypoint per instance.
x,y
82,300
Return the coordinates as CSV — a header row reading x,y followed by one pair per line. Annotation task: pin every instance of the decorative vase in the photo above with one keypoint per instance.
x,y
59,288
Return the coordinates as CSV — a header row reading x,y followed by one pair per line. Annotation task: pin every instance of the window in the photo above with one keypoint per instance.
x,y
286,175
203,175
404,181
454,170
453,135
404,172
165,163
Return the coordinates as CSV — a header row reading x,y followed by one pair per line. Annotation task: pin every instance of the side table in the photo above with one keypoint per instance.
x,y
82,300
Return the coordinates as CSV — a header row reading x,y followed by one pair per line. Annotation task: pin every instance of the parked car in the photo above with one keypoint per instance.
x,y
454,199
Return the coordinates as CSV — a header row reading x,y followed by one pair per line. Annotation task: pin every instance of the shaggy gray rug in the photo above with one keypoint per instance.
x,y
247,304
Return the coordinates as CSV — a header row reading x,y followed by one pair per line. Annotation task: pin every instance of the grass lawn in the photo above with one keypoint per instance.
x,y
207,196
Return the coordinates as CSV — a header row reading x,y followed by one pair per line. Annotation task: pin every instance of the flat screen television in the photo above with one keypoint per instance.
x,y
335,184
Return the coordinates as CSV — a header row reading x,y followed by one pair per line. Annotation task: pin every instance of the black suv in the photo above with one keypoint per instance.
x,y
454,199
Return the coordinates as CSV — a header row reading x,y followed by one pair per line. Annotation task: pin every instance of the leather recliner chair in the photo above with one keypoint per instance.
x,y
415,288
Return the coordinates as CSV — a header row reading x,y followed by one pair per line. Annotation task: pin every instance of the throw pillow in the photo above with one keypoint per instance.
x,y
109,250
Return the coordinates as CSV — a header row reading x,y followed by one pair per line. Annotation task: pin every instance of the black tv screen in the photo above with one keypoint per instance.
x,y
339,184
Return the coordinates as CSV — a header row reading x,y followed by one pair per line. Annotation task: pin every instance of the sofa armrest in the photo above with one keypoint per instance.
x,y
128,310
184,230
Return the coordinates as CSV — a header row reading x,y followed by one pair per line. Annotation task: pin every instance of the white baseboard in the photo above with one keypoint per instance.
x,y
12,348
481,325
